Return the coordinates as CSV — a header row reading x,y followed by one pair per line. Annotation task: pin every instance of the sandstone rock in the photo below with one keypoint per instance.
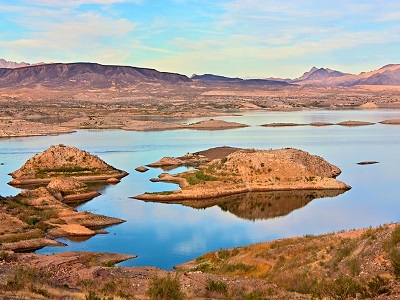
x,y
65,161
215,125
69,189
391,122
369,105
142,169
166,161
320,124
354,123
113,180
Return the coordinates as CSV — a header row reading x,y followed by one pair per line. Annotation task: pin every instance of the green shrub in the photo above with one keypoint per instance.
x,y
109,288
255,295
354,266
376,286
200,177
216,286
6,256
341,288
395,261
92,296
25,276
39,291
223,253
166,288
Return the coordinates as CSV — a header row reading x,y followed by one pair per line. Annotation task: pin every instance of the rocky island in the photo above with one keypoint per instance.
x,y
34,218
67,161
248,170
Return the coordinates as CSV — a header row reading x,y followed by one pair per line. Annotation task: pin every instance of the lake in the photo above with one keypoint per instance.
x,y
164,235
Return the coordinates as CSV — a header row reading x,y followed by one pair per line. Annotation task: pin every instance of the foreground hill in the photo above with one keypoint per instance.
x,y
360,264
60,75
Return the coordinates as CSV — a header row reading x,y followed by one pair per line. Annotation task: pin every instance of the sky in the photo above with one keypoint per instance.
x,y
244,38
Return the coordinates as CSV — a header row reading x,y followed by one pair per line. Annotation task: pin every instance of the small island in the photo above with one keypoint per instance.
x,y
249,170
67,161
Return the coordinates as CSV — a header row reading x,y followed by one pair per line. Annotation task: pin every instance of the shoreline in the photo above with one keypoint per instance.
x,y
27,130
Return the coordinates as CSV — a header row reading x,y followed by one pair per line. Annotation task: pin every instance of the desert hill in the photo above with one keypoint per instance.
x,y
83,75
66,161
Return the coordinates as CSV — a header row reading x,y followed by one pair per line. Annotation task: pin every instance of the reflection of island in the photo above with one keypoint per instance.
x,y
262,206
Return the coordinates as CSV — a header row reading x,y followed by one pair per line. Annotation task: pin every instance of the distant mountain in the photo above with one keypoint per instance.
x,y
212,77
221,79
11,65
387,75
319,74
83,75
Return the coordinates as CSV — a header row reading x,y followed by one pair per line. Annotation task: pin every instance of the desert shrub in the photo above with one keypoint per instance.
x,y
216,286
230,268
255,295
166,288
341,288
92,296
7,256
391,247
200,177
354,266
394,256
25,276
396,235
376,286
109,288
39,291
223,253
72,169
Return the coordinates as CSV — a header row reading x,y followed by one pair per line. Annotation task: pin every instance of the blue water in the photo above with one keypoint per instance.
x,y
165,235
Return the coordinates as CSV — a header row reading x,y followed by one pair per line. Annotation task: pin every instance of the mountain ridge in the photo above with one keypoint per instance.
x,y
83,74
87,74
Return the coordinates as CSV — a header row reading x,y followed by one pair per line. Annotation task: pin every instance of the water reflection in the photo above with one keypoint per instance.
x,y
262,206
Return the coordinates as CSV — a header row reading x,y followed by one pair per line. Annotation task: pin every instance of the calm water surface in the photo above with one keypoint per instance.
x,y
164,235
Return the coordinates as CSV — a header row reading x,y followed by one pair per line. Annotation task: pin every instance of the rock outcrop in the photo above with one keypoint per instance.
x,y
69,189
38,217
64,161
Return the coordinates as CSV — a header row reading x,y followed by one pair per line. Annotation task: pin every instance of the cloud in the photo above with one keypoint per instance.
x,y
60,34
77,3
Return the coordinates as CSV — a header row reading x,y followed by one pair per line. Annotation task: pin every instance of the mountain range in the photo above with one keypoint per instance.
x,y
64,75
83,75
